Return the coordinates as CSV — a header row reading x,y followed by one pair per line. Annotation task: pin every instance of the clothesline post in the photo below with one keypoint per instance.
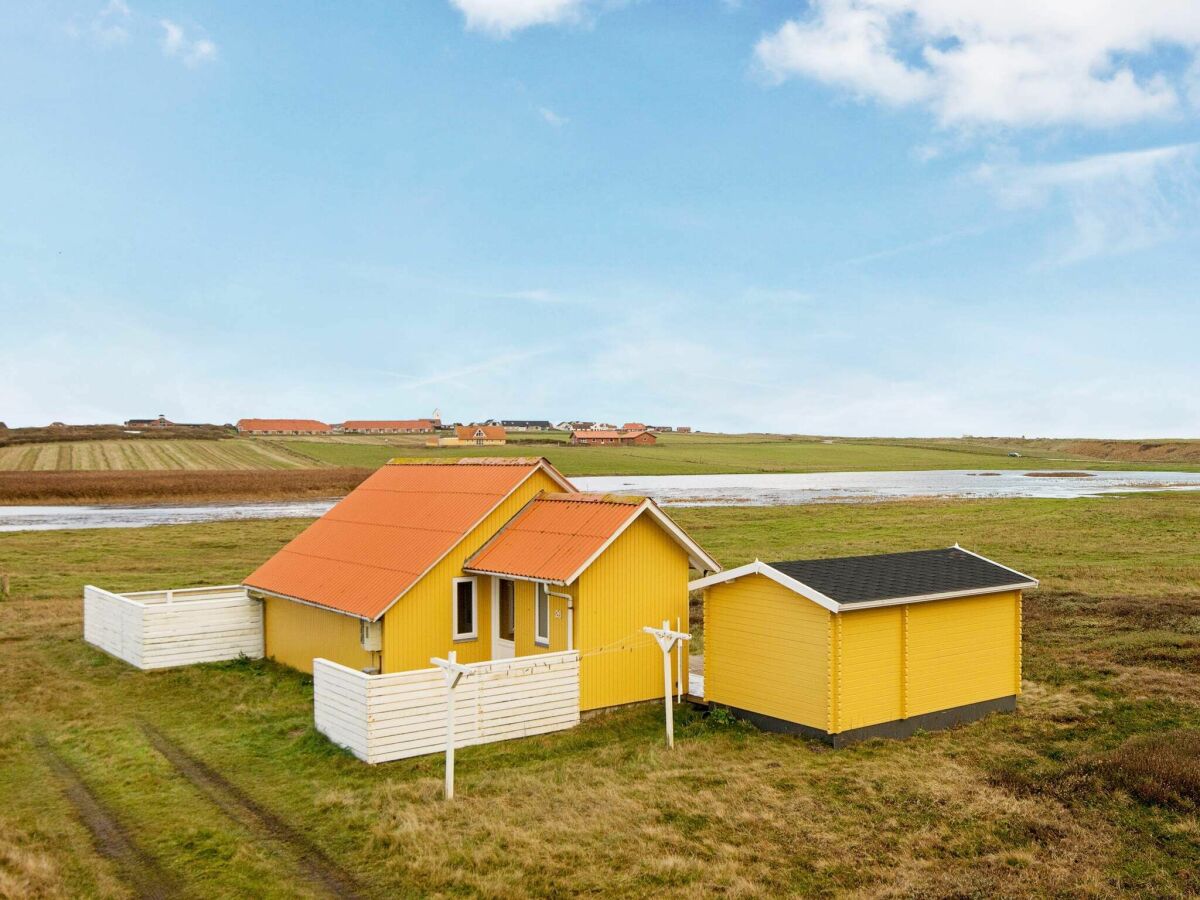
x,y
453,673
679,663
667,639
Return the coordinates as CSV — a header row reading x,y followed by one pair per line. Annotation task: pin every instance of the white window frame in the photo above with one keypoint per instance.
x,y
473,634
541,590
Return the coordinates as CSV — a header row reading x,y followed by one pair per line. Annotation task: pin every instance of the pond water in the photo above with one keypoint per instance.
x,y
669,490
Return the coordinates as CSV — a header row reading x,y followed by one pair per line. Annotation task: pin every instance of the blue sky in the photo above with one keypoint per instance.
x,y
861,217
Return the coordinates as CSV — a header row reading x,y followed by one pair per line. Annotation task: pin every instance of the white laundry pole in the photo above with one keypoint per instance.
x,y
667,639
453,673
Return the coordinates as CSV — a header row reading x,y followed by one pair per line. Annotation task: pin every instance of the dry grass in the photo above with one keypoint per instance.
x,y
157,487
26,871
1048,802
1160,768
68,433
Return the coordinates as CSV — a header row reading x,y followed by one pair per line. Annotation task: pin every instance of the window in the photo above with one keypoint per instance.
x,y
541,617
464,609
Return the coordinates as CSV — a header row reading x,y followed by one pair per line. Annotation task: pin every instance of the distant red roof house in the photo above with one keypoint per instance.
x,y
642,438
480,433
633,426
282,426
379,426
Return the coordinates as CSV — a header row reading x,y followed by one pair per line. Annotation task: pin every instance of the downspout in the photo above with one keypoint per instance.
x,y
570,614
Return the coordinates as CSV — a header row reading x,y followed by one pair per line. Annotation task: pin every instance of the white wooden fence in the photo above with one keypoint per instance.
x,y
158,629
402,714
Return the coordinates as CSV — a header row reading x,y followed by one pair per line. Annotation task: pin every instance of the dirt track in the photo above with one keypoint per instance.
x,y
141,873
235,803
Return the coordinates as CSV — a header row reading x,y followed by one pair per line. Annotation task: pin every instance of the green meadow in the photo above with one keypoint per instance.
x,y
703,454
210,780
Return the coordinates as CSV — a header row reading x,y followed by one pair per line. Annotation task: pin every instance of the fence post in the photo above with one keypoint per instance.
x,y
4,584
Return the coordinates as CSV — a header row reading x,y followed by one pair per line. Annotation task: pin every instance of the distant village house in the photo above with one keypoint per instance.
x,y
398,426
521,424
473,436
613,438
283,426
161,422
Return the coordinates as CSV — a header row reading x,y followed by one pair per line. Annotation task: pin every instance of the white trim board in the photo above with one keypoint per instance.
x,y
761,568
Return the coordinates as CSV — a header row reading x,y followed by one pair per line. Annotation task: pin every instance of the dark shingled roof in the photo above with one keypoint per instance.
x,y
891,576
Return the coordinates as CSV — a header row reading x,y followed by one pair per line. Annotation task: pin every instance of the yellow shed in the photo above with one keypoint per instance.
x,y
864,646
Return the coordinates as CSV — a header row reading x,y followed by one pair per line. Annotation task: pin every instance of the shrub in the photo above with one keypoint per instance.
x,y
1163,769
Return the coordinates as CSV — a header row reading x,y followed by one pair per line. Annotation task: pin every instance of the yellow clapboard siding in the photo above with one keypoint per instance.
x,y
419,626
962,651
524,621
871,667
766,650
294,634
640,580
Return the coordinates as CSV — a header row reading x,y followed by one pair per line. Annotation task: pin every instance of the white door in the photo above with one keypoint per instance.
x,y
504,618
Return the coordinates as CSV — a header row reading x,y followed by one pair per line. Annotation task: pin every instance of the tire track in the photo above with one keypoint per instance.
x,y
139,870
242,808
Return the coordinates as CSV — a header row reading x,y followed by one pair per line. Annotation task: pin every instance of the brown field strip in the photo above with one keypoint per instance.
x,y
160,486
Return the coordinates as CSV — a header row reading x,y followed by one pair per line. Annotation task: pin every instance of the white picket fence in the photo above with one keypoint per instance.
x,y
158,629
384,717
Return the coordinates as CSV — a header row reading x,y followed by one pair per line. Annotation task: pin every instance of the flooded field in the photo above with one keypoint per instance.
x,y
669,490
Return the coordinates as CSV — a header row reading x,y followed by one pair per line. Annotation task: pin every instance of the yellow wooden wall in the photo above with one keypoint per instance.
x,y
523,622
767,650
868,667
771,651
641,579
963,651
419,625
294,634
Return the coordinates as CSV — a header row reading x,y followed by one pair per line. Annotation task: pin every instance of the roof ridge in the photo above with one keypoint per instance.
x,y
521,461
593,497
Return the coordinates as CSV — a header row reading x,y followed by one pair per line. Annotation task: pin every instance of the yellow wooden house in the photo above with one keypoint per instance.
x,y
491,558
865,646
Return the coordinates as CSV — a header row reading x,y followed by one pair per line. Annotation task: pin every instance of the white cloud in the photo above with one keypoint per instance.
x,y
111,25
501,18
191,51
551,117
1015,63
1117,202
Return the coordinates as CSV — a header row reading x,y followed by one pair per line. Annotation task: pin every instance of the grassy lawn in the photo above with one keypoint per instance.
x,y
714,454
1093,788
675,454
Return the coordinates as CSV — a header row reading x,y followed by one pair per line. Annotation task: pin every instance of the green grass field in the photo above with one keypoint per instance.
x,y
673,455
1091,789
714,454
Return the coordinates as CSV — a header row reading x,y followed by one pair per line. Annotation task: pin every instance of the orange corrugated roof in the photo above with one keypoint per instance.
x,y
282,425
611,435
383,423
554,535
376,543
